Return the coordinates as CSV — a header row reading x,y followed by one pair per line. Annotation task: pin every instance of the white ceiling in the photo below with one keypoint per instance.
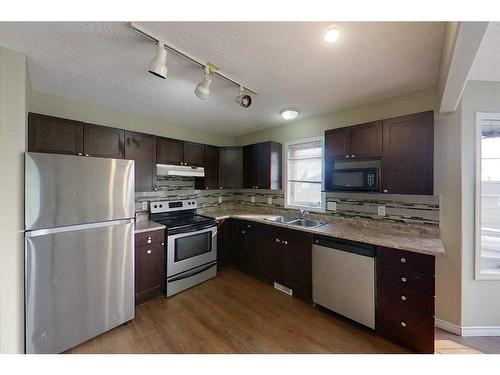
x,y
486,66
288,64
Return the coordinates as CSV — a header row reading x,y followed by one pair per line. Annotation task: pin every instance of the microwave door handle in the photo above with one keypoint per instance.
x,y
191,273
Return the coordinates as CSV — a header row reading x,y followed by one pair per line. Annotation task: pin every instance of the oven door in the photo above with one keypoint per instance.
x,y
186,251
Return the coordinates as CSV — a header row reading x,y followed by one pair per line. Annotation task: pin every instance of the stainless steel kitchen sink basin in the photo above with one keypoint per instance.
x,y
281,219
307,223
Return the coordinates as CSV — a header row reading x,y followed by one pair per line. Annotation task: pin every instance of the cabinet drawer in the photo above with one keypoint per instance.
x,y
406,298
407,327
154,237
407,279
407,260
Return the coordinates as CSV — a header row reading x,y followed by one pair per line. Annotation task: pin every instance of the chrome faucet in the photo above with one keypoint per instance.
x,y
303,213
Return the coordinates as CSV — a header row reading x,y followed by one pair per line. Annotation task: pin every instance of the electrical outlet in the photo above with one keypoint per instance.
x,y
144,205
252,199
381,210
331,206
220,199
269,200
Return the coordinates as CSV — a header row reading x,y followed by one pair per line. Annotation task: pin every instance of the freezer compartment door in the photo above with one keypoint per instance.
x,y
67,190
79,284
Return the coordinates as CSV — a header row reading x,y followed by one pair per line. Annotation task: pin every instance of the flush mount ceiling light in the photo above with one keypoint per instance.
x,y
158,66
332,34
289,113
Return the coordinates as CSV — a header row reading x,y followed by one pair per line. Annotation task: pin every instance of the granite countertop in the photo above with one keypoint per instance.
x,y
416,238
147,226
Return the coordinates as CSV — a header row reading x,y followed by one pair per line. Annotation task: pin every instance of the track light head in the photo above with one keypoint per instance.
x,y
203,88
244,100
158,66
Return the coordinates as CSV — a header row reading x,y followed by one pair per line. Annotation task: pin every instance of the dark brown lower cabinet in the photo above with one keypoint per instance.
x,y
275,254
224,243
405,298
149,265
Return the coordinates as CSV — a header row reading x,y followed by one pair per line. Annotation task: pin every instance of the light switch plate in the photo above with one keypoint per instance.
x,y
252,199
220,199
269,200
331,206
381,210
144,205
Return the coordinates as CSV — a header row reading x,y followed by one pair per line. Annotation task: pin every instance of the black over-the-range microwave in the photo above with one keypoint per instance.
x,y
354,179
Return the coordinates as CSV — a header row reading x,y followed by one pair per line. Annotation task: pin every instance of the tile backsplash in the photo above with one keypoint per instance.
x,y
401,208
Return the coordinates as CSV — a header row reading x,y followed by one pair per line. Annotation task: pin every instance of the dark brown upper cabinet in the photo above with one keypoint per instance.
x,y
177,152
194,154
262,166
142,148
211,162
103,141
408,162
363,141
54,135
231,167
169,151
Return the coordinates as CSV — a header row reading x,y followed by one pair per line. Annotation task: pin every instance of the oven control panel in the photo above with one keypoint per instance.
x,y
168,206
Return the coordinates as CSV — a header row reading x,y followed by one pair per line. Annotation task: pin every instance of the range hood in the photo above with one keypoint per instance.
x,y
179,170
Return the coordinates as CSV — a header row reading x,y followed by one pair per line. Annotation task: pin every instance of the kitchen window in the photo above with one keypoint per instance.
x,y
304,171
487,264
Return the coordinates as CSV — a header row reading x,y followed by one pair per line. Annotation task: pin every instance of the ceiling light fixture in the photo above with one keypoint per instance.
x,y
243,99
158,66
289,113
332,34
202,89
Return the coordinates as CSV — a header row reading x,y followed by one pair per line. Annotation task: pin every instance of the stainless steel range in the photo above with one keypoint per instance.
x,y
191,244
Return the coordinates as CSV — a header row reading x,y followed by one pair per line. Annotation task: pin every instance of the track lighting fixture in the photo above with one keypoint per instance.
x,y
244,100
158,66
202,89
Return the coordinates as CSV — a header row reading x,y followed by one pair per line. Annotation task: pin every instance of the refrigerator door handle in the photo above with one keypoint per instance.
x,y
70,228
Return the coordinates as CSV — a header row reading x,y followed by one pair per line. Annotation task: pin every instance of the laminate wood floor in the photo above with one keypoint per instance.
x,y
236,313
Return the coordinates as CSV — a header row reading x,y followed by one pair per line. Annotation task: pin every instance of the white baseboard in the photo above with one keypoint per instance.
x,y
468,331
450,327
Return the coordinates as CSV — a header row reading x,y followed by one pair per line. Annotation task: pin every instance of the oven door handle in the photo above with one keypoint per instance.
x,y
191,273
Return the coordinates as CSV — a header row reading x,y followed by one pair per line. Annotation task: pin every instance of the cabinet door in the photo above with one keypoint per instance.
x,y
54,135
194,154
250,166
263,155
366,140
246,253
271,253
231,167
141,148
169,151
224,241
407,163
337,144
103,141
298,262
149,272
211,167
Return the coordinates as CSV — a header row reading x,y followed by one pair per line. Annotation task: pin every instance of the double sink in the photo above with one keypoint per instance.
x,y
295,221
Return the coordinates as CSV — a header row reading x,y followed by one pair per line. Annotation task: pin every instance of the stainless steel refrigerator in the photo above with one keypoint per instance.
x,y
79,275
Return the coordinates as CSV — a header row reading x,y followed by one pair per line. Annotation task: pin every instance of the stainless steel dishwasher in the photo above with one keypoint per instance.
x,y
344,278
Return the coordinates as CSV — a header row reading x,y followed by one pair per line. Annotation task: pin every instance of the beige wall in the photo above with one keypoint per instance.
x,y
416,101
447,184
68,108
481,298
13,83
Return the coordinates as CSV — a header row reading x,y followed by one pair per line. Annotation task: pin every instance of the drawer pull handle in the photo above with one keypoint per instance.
x,y
285,242
403,279
163,243
242,232
403,298
278,240
403,260
403,324
149,240
148,252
